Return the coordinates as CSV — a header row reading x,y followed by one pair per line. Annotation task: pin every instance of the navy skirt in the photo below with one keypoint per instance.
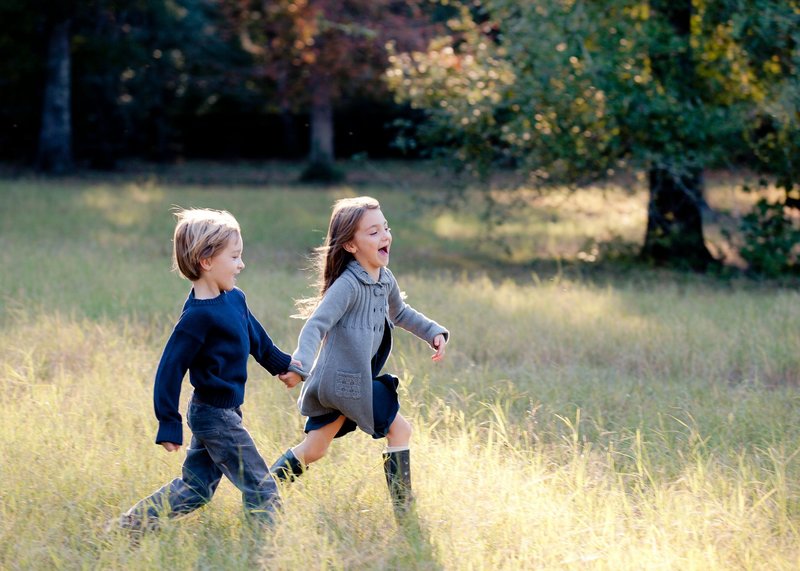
x,y
385,404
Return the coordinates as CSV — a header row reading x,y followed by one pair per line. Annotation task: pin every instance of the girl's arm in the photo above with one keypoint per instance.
x,y
333,305
405,316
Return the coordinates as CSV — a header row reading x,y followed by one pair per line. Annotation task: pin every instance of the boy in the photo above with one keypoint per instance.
x,y
212,340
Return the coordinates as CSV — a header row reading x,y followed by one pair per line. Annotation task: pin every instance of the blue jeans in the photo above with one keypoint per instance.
x,y
220,446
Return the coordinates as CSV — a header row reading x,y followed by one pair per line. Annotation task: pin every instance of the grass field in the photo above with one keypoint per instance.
x,y
587,416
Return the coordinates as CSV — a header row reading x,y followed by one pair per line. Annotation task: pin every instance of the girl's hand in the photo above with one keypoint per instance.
x,y
290,379
171,446
439,343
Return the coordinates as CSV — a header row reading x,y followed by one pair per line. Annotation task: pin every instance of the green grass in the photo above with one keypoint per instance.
x,y
586,416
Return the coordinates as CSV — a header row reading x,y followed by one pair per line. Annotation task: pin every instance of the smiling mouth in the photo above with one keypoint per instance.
x,y
384,250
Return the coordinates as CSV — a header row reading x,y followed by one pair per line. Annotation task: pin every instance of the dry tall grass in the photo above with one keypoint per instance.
x,y
633,425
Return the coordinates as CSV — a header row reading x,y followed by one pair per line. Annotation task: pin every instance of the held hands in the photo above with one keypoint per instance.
x,y
290,378
438,343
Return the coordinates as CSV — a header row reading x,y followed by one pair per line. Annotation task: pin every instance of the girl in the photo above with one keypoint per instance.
x,y
358,305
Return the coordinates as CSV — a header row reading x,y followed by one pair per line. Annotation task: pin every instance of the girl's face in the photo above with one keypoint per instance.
x,y
371,243
221,270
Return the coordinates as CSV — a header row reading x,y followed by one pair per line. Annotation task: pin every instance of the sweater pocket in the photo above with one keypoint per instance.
x,y
348,385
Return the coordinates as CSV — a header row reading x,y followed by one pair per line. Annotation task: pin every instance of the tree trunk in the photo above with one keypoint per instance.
x,y
321,167
321,121
55,138
675,220
674,214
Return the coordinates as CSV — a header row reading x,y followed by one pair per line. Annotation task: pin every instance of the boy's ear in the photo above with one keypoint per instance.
x,y
205,264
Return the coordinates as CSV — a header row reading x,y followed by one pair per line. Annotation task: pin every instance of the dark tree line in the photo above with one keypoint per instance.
x,y
99,80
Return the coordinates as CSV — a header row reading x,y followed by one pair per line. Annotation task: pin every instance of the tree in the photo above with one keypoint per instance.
x,y
139,66
55,136
674,211
769,34
99,79
312,53
567,91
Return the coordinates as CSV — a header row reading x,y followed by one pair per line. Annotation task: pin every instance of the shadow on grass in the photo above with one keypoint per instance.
x,y
385,174
420,553
413,190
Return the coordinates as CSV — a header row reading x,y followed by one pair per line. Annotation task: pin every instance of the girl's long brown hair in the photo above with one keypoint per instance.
x,y
330,259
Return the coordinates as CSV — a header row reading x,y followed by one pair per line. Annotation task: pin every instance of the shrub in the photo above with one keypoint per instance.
x,y
771,239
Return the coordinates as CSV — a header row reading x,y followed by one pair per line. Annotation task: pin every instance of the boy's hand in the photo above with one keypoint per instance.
x,y
439,343
171,446
290,379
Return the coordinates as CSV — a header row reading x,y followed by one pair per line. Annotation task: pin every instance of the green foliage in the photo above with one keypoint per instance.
x,y
145,64
565,91
772,240
569,91
770,34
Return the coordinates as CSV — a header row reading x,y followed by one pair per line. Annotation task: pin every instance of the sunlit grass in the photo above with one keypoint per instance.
x,y
638,424
576,224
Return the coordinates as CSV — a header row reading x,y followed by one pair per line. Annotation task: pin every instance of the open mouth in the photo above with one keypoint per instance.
x,y
384,251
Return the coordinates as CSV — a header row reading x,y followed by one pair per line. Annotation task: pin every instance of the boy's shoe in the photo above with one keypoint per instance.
x,y
132,524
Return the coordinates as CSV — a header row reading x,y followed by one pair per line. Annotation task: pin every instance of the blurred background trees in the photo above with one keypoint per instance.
x,y
568,91
557,91
167,79
311,55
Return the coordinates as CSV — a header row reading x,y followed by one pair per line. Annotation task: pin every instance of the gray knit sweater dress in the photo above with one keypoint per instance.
x,y
344,333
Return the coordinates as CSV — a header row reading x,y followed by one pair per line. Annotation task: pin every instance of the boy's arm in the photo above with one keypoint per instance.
x,y
180,350
264,350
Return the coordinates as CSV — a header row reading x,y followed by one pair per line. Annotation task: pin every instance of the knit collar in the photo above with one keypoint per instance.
x,y
212,301
364,277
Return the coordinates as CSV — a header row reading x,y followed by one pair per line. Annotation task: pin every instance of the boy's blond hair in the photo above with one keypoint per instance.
x,y
200,233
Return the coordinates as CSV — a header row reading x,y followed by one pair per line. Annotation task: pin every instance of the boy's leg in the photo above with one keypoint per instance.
x,y
195,488
234,452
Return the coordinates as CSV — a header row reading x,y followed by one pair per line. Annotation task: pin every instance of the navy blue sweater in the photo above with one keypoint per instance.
x,y
212,340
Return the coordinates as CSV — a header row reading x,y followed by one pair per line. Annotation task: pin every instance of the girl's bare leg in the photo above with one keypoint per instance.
x,y
399,432
316,442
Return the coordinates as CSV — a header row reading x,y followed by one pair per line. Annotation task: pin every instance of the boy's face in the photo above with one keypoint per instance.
x,y
372,241
220,271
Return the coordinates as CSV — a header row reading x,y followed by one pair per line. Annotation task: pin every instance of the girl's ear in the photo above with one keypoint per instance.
x,y
350,247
